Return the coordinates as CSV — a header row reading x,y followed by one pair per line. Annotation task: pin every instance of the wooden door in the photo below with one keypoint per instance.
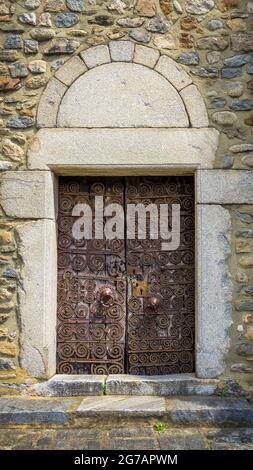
x,y
124,305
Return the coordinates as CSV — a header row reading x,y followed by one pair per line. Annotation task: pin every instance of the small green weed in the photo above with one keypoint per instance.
x,y
104,388
160,427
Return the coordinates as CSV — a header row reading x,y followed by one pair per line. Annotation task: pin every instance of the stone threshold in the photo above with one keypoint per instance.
x,y
86,385
77,412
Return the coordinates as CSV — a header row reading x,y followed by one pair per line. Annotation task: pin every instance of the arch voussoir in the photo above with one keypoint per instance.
x,y
71,70
95,56
173,72
195,106
146,56
49,103
121,51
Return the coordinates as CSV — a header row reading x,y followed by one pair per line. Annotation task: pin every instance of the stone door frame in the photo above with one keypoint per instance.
x,y
36,197
31,196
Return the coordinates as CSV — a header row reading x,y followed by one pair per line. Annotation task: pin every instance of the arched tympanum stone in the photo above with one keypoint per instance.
x,y
122,95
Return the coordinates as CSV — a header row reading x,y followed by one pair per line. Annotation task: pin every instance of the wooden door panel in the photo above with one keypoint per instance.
x,y
160,339
90,329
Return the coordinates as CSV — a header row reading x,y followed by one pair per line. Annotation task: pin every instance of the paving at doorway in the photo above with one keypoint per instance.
x,y
91,412
125,422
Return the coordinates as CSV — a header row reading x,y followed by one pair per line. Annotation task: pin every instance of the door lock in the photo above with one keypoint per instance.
x,y
140,288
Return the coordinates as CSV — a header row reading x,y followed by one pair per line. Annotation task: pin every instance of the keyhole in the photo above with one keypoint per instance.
x,y
141,290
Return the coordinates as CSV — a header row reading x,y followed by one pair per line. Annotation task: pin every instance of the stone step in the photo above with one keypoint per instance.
x,y
71,386
210,411
14,410
184,410
178,411
166,385
163,385
122,406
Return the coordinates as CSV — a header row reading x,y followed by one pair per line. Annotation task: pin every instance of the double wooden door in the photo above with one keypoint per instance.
x,y
124,305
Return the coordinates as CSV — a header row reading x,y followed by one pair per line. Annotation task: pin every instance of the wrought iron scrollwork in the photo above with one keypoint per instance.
x,y
161,325
97,300
91,287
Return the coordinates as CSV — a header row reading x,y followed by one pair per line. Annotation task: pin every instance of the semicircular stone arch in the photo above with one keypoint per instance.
x,y
121,85
122,95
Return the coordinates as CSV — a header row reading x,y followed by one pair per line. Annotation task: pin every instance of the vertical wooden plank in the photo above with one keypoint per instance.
x,y
91,325
161,338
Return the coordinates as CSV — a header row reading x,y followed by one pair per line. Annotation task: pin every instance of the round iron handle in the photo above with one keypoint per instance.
x,y
154,302
106,296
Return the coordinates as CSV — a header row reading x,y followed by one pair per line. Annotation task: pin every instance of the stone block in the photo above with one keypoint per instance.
x,y
121,99
28,194
229,72
213,43
5,165
242,42
96,56
166,385
231,436
8,349
37,296
121,51
206,72
166,41
49,103
140,35
71,385
20,122
66,20
134,444
210,411
61,46
225,187
244,246
145,8
245,350
131,432
71,70
195,106
199,7
173,72
188,58
146,56
12,151
224,118
215,290
122,406
33,411
241,148
122,148
6,364
76,5
246,261
78,439
182,440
